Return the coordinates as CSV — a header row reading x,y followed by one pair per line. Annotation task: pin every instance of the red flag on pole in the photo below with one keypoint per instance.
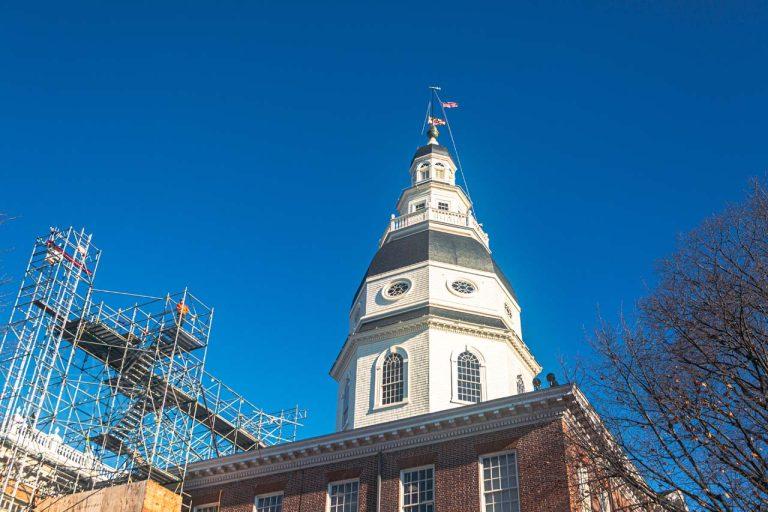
x,y
436,121
450,104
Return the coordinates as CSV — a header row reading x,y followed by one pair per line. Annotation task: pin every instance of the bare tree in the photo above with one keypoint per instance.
x,y
684,388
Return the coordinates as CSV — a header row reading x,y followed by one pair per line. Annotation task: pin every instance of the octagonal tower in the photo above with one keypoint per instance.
x,y
435,324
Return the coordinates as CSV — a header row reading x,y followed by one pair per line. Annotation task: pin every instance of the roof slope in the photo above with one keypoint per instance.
x,y
437,246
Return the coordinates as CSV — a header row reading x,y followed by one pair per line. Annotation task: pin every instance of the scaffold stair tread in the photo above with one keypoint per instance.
x,y
242,438
141,466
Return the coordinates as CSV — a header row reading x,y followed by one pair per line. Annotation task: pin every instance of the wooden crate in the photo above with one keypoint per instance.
x,y
146,496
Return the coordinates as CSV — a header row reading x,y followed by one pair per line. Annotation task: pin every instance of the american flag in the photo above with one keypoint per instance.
x,y
450,104
436,121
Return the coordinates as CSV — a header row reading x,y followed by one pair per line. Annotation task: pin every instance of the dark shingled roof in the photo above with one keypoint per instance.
x,y
438,246
430,148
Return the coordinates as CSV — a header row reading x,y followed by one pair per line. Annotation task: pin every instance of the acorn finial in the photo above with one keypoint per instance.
x,y
432,134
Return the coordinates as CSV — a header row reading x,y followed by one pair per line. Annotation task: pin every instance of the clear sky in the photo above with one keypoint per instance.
x,y
255,150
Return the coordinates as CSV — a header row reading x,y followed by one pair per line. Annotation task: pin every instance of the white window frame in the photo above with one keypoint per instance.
x,y
455,374
378,380
422,203
401,505
481,479
447,206
341,482
267,495
200,508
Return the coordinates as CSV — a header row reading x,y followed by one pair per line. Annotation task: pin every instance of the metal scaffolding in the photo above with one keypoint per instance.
x,y
93,394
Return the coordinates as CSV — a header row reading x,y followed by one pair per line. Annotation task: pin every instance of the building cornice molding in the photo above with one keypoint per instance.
x,y
501,414
443,324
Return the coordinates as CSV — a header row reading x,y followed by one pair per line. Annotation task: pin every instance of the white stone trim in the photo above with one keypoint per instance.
x,y
500,414
419,324
435,264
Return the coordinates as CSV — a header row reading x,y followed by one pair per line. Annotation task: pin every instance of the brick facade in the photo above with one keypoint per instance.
x,y
541,460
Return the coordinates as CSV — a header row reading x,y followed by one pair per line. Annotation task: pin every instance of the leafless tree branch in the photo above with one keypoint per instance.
x,y
684,387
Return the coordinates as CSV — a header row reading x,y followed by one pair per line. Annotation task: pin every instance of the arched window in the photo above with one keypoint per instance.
x,y
392,379
468,377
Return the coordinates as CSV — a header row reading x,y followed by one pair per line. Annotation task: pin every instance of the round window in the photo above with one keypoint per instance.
x,y
397,289
463,287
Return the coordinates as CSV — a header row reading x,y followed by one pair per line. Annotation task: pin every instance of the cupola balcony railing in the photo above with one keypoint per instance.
x,y
465,220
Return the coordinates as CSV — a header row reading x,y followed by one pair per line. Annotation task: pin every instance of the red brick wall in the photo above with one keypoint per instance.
x,y
541,466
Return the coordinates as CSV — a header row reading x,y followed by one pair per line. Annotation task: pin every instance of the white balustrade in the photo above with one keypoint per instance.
x,y
435,215
53,449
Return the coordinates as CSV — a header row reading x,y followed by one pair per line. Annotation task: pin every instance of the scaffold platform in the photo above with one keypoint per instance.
x,y
95,389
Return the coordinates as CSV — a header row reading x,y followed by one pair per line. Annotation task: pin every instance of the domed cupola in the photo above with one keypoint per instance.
x,y
433,162
434,324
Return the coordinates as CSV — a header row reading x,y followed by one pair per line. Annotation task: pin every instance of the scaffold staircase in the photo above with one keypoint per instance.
x,y
94,394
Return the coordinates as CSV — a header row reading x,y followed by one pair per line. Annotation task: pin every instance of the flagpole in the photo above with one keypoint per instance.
x,y
453,142
427,115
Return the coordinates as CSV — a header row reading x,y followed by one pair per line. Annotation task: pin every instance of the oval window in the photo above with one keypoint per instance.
x,y
463,287
397,289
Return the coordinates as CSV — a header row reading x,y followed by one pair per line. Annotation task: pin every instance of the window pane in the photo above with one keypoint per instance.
x,y
468,377
392,380
418,490
500,483
272,503
343,497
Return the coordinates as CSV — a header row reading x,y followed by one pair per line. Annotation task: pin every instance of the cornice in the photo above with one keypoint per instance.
x,y
431,321
518,410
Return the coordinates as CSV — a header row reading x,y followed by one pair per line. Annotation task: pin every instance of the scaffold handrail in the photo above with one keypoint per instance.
x,y
120,387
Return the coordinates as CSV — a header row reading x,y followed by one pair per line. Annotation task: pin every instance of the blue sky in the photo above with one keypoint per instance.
x,y
254,151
